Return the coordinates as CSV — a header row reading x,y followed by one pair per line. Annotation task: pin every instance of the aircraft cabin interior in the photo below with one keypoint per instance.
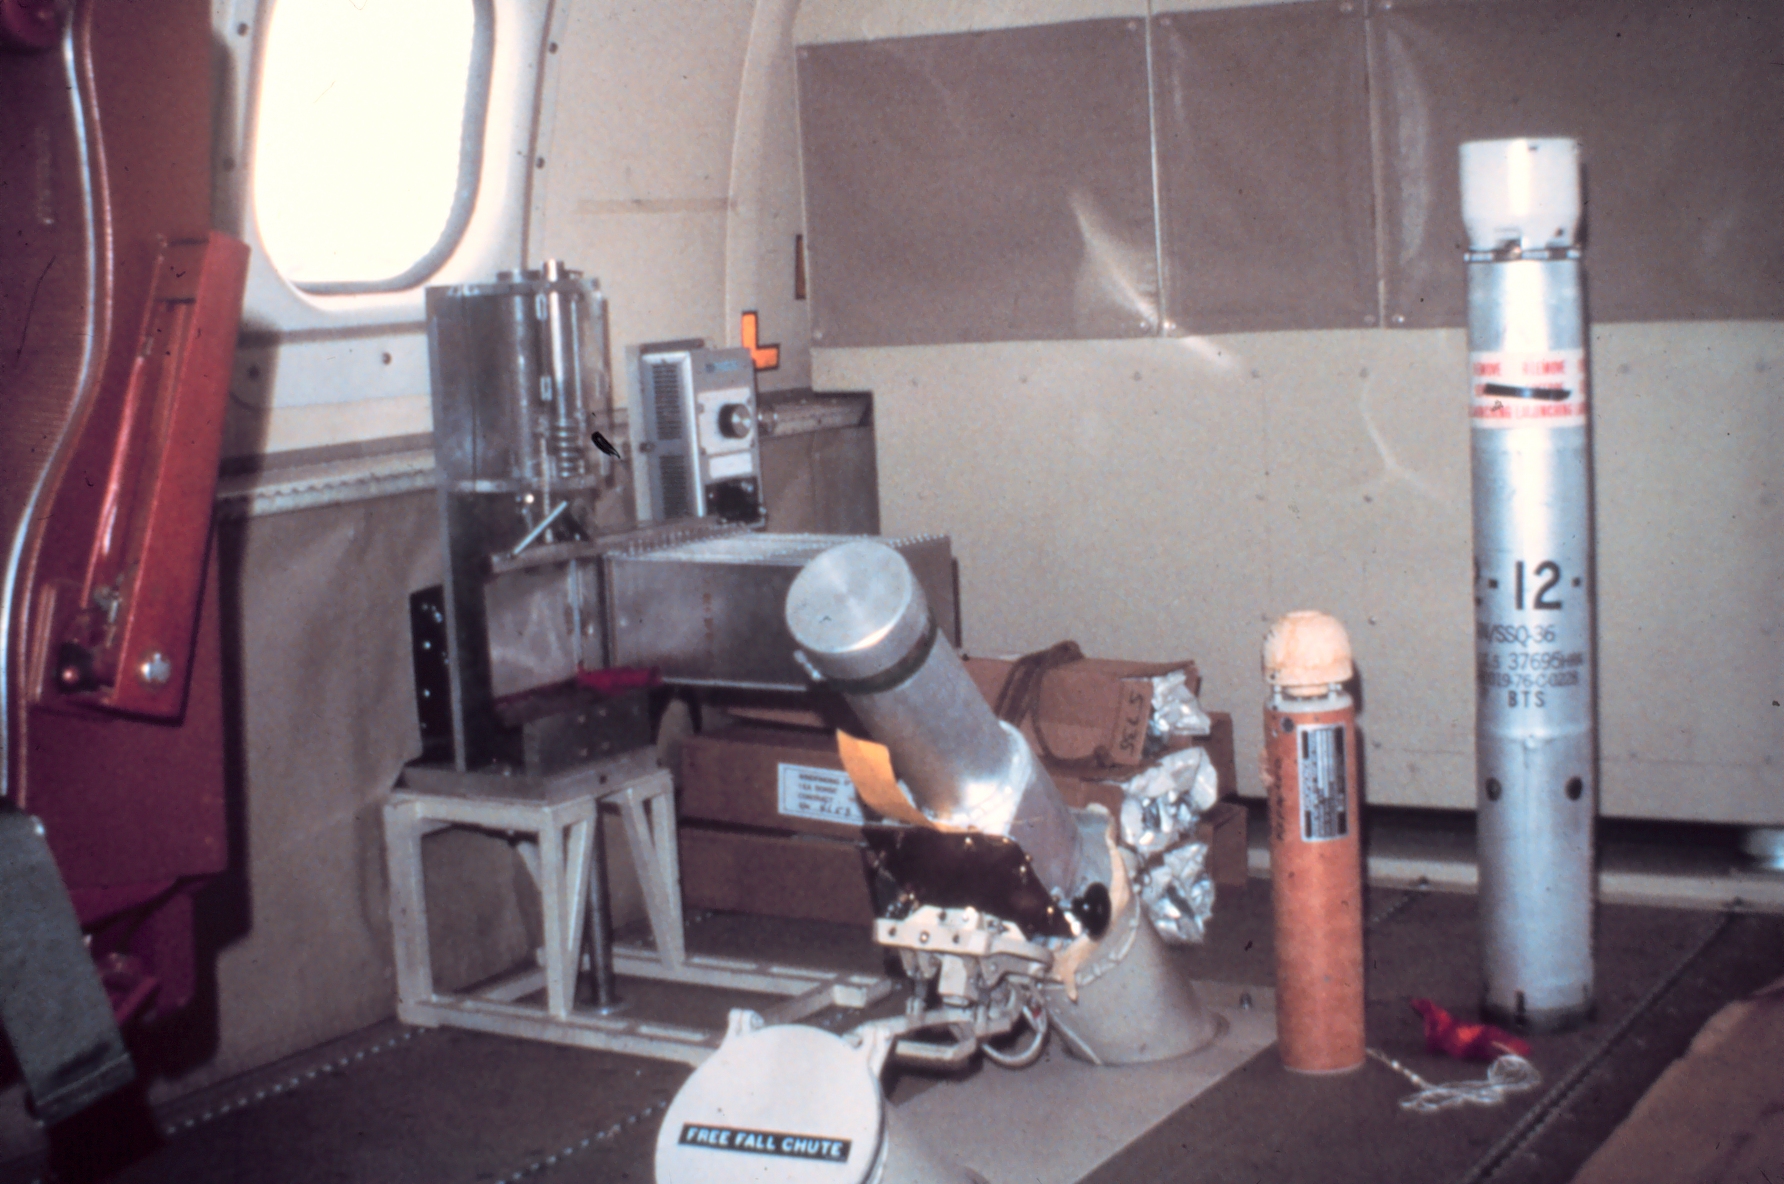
x,y
891,591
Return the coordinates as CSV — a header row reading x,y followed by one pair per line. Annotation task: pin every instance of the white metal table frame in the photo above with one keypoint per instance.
x,y
566,864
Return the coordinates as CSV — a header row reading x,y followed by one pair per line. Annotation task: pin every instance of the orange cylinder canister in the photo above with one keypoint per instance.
x,y
1316,866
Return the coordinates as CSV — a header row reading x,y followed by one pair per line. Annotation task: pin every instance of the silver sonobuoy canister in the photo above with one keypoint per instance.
x,y
1535,729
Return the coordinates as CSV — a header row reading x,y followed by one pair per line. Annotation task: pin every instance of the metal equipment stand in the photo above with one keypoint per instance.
x,y
561,813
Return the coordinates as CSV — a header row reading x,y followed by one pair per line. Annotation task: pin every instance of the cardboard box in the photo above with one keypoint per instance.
x,y
817,710
1224,828
1080,788
797,857
1713,1114
1092,708
801,876
774,778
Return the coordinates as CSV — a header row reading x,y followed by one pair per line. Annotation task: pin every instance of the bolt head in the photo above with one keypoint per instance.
x,y
155,669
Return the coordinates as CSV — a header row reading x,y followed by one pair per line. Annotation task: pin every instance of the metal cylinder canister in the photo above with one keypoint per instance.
x,y
1535,703
1316,864
863,624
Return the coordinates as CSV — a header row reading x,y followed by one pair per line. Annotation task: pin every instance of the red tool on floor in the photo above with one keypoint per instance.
x,y
1465,1042
1510,1072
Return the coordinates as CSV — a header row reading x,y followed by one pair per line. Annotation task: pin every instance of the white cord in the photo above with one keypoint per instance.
x,y
1510,1074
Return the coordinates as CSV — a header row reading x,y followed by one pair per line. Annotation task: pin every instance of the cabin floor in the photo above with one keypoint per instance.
x,y
396,1104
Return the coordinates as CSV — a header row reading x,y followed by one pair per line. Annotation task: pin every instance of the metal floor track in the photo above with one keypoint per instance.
x,y
395,1105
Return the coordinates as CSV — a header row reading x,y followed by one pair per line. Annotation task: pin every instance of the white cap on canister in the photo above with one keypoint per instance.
x,y
1306,652
1525,192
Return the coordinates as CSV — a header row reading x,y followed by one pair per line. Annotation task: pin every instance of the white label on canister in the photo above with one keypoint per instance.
x,y
1320,754
823,795
1528,390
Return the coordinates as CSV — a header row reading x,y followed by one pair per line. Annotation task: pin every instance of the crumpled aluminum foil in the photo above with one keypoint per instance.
x,y
1164,802
1151,825
1175,710
1159,812
1178,894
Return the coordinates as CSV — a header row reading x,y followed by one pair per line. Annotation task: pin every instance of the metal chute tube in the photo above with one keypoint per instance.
x,y
862,623
1130,1004
1533,591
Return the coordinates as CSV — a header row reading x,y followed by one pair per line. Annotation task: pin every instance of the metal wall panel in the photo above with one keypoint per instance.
x,y
1677,105
1265,192
994,185
980,186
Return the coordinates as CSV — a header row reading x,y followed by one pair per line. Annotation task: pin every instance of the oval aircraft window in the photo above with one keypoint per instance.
x,y
368,138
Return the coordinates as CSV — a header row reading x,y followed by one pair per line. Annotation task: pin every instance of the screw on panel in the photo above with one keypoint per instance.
x,y
155,669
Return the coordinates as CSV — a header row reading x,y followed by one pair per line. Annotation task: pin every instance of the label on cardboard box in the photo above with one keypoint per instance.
x,y
825,795
1136,713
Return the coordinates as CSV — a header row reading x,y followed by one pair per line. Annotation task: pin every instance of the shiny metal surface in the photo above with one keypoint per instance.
x,y
519,381
860,616
561,389
529,620
710,612
798,416
1536,745
857,609
1764,846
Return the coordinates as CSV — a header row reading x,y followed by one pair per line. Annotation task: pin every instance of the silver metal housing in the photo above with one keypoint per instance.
x,y
710,611
862,622
1535,731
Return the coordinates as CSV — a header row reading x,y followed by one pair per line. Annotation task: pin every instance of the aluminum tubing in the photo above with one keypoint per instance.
x,y
862,623
1535,732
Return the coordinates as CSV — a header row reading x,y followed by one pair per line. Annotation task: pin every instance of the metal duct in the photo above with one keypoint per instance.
x,y
862,622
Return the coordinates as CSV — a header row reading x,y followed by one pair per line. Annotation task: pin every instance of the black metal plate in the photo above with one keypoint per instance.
x,y
951,870
428,640
591,727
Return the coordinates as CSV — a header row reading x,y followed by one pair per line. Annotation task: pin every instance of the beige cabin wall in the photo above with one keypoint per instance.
x,y
671,171
1169,497
1235,478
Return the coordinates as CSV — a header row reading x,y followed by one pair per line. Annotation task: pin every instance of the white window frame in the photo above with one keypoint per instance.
x,y
329,366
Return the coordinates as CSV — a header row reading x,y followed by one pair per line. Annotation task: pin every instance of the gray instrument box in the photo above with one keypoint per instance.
x,y
700,442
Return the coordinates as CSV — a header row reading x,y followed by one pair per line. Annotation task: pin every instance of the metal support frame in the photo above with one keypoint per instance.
x,y
567,865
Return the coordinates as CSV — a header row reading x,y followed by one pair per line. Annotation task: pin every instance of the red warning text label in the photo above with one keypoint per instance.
x,y
1517,390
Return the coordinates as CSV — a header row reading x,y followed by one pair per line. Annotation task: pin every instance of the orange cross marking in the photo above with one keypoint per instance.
x,y
766,357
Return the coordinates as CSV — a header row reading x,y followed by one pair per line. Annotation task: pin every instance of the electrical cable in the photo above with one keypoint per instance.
x,y
1508,1075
